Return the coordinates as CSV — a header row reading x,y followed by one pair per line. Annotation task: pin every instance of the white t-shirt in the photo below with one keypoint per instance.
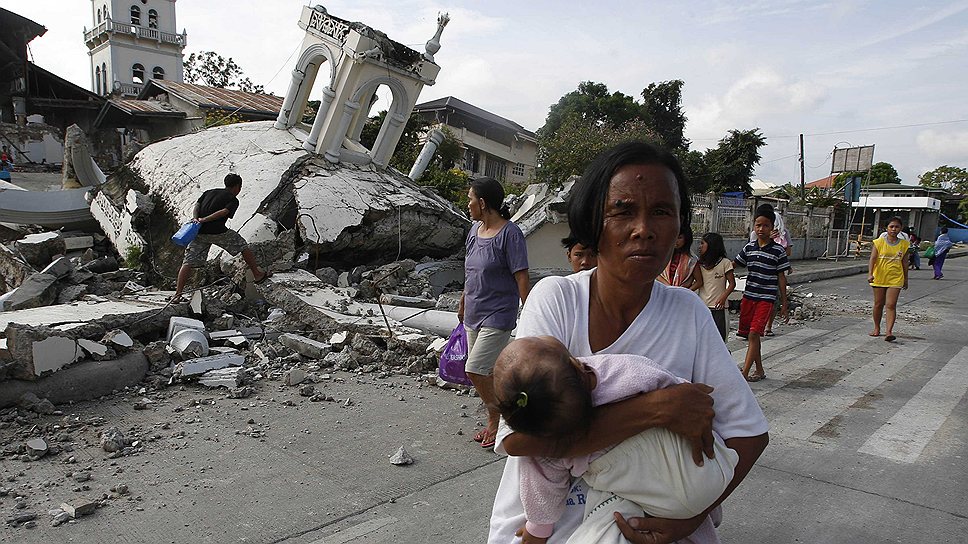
x,y
714,281
675,330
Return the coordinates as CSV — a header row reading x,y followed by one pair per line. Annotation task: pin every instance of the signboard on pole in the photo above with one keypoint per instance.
x,y
852,159
852,189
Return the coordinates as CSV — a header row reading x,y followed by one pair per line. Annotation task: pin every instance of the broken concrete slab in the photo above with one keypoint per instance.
x,y
71,293
119,338
75,243
362,208
13,268
304,296
201,365
83,381
36,290
304,346
136,315
230,377
59,267
178,323
92,348
40,249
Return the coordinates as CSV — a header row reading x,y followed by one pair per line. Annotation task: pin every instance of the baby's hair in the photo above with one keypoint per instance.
x,y
539,392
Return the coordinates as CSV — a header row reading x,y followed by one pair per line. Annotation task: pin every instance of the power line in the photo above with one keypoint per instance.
x,y
892,127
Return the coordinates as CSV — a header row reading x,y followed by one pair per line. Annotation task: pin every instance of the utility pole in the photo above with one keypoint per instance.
x,y
803,187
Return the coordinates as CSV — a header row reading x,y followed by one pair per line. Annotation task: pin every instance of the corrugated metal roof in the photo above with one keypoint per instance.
x,y
133,106
214,97
460,105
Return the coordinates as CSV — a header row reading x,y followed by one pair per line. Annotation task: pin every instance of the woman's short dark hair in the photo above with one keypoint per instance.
x,y
491,192
896,219
586,211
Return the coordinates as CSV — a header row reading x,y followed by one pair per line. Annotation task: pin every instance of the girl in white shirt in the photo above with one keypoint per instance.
x,y
713,279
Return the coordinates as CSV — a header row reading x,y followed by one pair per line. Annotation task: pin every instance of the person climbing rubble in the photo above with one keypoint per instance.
x,y
213,209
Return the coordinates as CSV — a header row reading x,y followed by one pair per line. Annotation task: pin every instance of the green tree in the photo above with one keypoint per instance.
x,y
697,172
410,141
576,142
593,103
731,163
881,172
662,111
953,179
210,68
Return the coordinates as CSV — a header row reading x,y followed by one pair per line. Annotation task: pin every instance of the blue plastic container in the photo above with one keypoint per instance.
x,y
186,234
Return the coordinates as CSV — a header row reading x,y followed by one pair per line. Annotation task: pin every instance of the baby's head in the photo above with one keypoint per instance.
x,y
541,390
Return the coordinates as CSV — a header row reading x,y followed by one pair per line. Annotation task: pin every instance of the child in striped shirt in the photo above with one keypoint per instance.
x,y
767,261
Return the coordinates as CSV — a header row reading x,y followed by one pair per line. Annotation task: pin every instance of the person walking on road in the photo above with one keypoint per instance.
x,y
766,282
213,209
713,278
887,275
495,278
941,247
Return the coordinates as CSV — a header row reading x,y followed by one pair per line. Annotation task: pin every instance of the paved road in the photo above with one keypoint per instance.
x,y
868,445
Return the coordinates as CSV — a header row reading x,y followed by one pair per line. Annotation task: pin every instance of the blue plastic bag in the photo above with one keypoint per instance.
x,y
454,357
186,234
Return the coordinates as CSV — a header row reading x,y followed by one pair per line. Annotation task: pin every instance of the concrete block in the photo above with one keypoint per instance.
x,y
54,353
13,269
79,507
74,243
36,291
93,348
59,267
294,376
230,377
71,293
119,338
40,249
201,365
197,303
178,323
304,346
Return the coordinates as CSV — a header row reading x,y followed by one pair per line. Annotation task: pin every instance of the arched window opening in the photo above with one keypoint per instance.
x,y
136,15
97,78
105,10
373,111
152,18
158,73
138,74
104,78
98,16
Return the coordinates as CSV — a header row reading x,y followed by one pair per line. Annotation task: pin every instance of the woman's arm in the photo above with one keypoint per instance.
x,y
524,284
664,531
904,266
460,308
685,409
871,263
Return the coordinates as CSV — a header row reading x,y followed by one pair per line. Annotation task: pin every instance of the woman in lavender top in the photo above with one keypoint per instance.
x,y
496,277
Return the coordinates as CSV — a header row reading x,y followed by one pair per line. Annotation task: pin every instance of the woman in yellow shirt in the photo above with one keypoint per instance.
x,y
887,273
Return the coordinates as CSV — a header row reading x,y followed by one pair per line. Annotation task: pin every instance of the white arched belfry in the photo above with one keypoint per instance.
x,y
359,59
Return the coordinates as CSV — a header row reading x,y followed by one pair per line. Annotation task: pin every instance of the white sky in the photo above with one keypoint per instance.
x,y
829,70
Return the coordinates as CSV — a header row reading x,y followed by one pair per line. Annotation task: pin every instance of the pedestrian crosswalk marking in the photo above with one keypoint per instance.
x,y
908,432
804,363
779,344
814,413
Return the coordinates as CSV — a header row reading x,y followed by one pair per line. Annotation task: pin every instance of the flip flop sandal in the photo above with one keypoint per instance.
x,y
890,338
489,440
479,437
770,333
754,378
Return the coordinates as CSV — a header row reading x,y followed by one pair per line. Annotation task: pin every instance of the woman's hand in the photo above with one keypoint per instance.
x,y
905,284
687,410
657,530
870,278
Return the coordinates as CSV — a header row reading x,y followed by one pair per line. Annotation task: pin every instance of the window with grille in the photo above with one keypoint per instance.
x,y
158,73
138,73
518,170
